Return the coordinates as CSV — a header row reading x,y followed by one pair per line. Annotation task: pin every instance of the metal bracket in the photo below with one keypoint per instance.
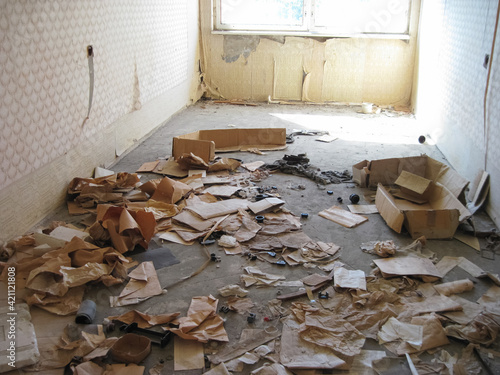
x,y
164,337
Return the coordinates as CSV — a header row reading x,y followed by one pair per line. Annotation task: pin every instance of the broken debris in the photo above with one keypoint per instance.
x,y
298,165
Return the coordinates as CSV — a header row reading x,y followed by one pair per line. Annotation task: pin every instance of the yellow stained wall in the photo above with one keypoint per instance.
x,y
308,69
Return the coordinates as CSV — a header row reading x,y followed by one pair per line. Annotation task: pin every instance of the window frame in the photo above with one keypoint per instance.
x,y
307,29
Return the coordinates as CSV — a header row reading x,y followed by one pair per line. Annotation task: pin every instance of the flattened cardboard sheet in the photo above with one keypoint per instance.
x,y
221,208
342,217
148,166
407,266
351,279
188,354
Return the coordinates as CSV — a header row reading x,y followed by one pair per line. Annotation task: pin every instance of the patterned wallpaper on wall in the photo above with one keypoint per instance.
x,y
141,51
468,35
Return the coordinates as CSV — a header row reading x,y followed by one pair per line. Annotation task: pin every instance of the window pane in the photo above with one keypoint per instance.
x,y
262,12
362,16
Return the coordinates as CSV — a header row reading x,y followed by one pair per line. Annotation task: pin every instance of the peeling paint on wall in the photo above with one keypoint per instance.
x,y
237,45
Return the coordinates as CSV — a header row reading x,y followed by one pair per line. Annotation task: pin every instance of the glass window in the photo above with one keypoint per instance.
x,y
313,17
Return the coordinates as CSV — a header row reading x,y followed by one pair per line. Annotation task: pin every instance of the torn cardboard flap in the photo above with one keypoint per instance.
x,y
169,167
224,191
204,143
143,285
437,219
265,205
189,161
414,188
253,166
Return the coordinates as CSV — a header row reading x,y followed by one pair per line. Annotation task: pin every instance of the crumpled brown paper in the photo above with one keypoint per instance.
x,y
240,305
59,305
383,249
257,277
224,164
433,335
119,180
170,191
126,228
72,343
202,322
301,354
19,243
322,327
188,161
483,329
394,330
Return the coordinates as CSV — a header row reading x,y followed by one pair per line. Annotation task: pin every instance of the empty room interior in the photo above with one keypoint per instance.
x,y
250,187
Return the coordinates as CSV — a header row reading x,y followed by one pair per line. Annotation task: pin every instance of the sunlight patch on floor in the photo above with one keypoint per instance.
x,y
372,128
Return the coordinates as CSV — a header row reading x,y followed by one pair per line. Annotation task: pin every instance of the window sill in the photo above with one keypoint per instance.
x,y
312,34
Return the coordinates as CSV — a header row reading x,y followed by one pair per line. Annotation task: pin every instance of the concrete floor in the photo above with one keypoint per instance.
x,y
360,137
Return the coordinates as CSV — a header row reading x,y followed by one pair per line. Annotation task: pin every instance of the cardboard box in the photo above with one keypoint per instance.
x,y
436,219
360,172
386,171
205,143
